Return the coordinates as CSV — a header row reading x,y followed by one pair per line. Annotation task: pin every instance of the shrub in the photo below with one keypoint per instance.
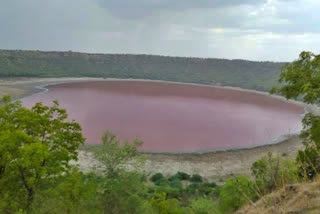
x,y
157,177
309,158
183,176
308,161
162,204
180,176
170,192
204,206
207,188
176,183
273,172
212,184
196,178
193,187
235,193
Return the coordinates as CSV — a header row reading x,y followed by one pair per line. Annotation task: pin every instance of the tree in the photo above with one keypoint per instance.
x,y
36,146
162,205
117,156
301,79
196,178
122,187
204,206
309,158
158,178
235,193
72,192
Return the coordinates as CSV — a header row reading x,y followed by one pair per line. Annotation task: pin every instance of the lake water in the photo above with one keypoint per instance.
x,y
171,117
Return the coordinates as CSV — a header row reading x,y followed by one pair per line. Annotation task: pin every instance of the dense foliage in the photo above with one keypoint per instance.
x,y
301,78
36,146
273,172
240,73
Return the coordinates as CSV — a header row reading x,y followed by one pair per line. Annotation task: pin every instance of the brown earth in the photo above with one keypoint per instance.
x,y
215,166
299,198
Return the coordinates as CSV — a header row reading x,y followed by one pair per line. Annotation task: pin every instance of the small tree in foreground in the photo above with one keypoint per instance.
x,y
122,186
301,79
235,193
116,156
36,145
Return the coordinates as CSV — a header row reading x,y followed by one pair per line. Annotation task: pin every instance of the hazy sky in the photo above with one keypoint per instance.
x,y
276,30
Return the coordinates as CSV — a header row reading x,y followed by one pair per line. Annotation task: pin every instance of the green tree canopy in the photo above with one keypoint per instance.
x,y
301,79
122,187
36,145
116,156
235,193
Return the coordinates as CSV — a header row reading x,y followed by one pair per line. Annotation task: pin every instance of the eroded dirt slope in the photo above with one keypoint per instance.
x,y
294,199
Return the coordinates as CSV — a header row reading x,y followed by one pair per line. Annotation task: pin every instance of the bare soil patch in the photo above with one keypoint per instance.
x,y
295,198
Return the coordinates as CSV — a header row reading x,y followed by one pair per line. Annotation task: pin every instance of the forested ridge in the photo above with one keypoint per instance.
x,y
239,73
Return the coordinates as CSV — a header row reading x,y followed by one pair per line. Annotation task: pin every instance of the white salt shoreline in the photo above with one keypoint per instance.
x,y
64,80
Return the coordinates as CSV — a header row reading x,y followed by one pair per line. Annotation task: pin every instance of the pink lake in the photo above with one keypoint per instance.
x,y
171,117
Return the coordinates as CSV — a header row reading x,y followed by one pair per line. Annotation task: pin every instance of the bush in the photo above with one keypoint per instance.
x,y
176,183
162,204
204,206
309,158
193,187
180,176
212,185
183,176
157,177
273,173
196,178
161,182
170,192
207,188
235,193
308,161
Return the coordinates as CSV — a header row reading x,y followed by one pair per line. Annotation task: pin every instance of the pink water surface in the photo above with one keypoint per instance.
x,y
174,117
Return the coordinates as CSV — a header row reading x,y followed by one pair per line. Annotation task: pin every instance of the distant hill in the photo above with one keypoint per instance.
x,y
240,73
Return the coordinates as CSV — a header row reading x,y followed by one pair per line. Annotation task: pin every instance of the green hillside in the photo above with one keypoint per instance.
x,y
241,73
